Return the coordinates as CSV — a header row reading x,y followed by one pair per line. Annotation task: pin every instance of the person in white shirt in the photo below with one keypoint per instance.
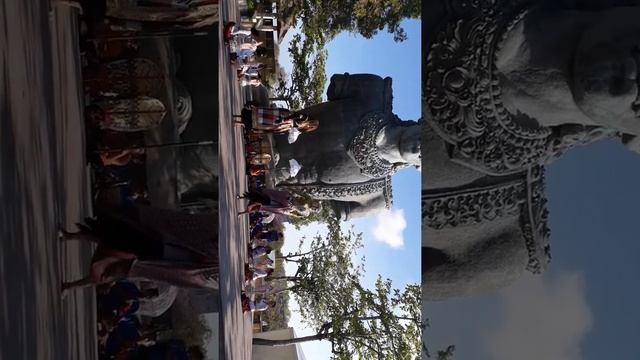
x,y
249,305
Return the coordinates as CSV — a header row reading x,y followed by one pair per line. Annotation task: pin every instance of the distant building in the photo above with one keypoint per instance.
x,y
289,352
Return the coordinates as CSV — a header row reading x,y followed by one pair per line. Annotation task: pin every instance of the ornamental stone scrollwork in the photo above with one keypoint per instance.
x,y
472,206
334,191
463,95
523,197
364,151
533,221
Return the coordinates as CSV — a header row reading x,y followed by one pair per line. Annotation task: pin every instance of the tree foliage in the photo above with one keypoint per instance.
x,y
324,266
321,20
278,316
378,323
305,85
325,216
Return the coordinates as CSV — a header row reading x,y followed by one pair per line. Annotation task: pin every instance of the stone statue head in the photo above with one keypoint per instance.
x,y
403,146
410,144
605,73
548,88
603,76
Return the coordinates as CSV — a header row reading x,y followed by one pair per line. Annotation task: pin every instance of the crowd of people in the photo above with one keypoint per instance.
x,y
122,334
265,204
262,236
245,50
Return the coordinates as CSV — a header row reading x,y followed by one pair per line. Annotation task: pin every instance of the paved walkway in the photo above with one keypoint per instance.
x,y
43,182
236,331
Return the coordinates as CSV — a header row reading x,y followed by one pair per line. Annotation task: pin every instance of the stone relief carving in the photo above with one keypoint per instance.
x,y
363,150
339,191
473,205
463,96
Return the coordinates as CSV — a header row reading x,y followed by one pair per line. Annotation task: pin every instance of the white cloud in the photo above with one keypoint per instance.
x,y
389,227
543,318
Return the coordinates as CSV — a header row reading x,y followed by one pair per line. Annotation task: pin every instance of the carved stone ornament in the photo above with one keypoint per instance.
x,y
339,191
522,196
363,150
463,95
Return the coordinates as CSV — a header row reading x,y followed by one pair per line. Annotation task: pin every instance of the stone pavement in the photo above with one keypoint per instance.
x,y
43,183
236,330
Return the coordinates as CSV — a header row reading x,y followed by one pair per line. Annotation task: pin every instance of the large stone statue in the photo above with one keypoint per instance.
x,y
348,161
509,86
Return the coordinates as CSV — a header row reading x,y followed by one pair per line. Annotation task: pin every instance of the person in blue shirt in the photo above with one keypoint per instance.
x,y
268,236
257,229
249,49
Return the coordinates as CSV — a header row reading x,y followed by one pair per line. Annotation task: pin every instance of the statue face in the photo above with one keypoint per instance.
x,y
409,145
606,71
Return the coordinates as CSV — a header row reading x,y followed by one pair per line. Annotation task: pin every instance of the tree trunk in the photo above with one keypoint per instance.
x,y
290,255
287,278
283,290
285,342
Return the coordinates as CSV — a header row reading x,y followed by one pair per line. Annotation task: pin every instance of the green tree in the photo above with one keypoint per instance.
x,y
383,323
278,316
297,257
321,20
324,266
305,85
325,215
378,323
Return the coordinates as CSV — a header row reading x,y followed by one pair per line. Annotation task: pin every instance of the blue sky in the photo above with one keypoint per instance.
x,y
585,307
401,61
